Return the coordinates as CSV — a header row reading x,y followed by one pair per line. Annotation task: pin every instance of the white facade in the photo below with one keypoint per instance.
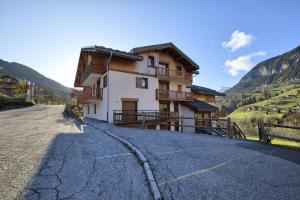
x,y
123,85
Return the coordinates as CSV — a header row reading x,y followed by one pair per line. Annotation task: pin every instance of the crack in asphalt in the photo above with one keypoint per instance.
x,y
56,174
86,183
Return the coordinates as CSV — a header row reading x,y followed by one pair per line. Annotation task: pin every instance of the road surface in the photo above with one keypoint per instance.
x,y
195,166
44,155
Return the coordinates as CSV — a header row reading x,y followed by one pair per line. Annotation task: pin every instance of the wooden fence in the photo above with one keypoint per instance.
x,y
143,119
265,135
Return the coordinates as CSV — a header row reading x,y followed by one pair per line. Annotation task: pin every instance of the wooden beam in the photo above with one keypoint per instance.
x,y
177,59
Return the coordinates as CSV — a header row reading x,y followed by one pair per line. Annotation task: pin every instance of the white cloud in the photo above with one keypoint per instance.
x,y
242,63
238,40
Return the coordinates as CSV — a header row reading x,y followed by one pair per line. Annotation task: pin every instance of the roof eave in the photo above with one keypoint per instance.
x,y
163,46
118,54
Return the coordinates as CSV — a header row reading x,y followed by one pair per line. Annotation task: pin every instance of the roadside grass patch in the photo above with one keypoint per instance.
x,y
279,142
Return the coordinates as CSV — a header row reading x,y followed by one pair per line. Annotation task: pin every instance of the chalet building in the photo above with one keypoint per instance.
x,y
8,85
204,103
156,78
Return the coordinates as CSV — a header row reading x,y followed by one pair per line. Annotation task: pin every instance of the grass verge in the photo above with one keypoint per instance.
x,y
279,142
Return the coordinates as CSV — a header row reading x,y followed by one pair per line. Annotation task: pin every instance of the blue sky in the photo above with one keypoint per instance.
x,y
226,38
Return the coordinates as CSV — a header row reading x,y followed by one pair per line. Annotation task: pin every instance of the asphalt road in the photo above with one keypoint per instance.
x,y
192,166
44,155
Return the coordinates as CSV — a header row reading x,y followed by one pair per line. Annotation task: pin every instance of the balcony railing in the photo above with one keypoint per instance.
x,y
123,117
91,69
170,74
89,94
172,95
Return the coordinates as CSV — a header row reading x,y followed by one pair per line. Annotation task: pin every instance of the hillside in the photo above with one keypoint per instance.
x,y
283,108
282,69
47,87
272,109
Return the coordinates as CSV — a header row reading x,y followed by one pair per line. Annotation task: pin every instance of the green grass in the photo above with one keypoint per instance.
x,y
279,142
241,113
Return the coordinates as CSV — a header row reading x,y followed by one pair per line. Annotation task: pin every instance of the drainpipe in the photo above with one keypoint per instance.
x,y
107,69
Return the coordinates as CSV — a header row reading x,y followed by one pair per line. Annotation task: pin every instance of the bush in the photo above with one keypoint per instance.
x,y
10,103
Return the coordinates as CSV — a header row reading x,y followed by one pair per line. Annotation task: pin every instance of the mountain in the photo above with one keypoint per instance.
x,y
223,89
282,69
56,91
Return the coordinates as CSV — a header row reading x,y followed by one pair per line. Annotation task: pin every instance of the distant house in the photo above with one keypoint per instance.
x,y
30,90
8,85
295,109
255,108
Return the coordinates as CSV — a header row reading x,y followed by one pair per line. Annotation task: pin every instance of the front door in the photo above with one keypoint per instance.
x,y
164,108
129,111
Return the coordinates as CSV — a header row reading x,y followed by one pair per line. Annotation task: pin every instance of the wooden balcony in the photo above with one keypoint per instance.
x,y
89,95
170,74
172,95
88,70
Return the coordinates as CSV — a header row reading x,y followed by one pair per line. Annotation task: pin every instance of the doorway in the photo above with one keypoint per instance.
x,y
164,109
129,110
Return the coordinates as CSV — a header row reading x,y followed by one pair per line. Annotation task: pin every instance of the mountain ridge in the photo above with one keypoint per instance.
x,y
50,87
277,70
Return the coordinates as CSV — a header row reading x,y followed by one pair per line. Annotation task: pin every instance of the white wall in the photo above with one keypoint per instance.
x,y
101,105
123,85
186,112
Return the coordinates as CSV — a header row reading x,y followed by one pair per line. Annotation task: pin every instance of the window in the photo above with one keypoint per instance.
x,y
151,61
95,108
164,107
105,81
179,71
179,88
89,60
163,85
163,69
88,109
142,83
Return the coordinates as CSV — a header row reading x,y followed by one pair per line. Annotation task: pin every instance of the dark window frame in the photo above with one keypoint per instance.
x,y
95,109
150,60
139,83
105,81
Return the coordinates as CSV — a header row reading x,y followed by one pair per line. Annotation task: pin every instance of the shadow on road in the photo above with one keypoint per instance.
x,y
46,181
48,178
283,153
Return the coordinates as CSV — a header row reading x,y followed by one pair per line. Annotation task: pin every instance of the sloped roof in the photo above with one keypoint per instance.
x,y
8,76
114,52
204,90
197,105
169,45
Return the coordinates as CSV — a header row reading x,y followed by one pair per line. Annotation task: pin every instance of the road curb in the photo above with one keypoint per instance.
x,y
140,156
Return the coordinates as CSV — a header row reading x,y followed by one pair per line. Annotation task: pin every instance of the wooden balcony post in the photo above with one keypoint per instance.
x,y
181,123
143,122
229,127
259,131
